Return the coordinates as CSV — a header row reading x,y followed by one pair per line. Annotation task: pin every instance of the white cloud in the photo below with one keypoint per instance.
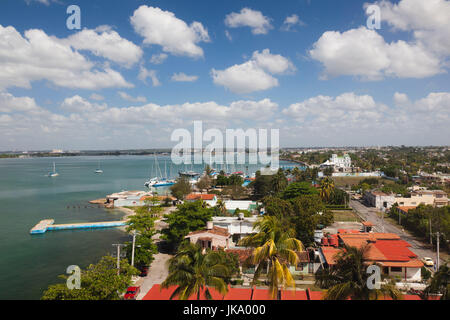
x,y
127,97
400,99
171,33
290,22
145,73
347,119
36,56
228,35
80,105
106,43
273,63
244,78
182,77
253,75
96,96
429,20
158,58
258,23
10,103
347,109
363,52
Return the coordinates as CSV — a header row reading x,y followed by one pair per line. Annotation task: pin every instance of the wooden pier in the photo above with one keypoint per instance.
x,y
48,225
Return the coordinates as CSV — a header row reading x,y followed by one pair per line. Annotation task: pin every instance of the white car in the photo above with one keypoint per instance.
x,y
428,262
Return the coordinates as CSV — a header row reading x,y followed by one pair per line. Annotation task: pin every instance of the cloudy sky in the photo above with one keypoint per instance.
x,y
137,70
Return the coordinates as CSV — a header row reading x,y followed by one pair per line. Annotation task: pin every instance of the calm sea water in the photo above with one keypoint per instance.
x,y
28,264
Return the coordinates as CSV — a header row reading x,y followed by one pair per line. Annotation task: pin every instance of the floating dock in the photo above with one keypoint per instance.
x,y
48,225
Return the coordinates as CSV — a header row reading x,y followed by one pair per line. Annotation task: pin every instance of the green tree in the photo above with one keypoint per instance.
x,y
181,189
440,282
262,185
279,181
222,180
275,247
326,188
309,211
188,217
297,189
192,271
220,205
204,183
275,206
144,250
98,282
235,180
348,278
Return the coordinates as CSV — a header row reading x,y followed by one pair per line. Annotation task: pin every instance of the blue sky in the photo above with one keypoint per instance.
x,y
324,80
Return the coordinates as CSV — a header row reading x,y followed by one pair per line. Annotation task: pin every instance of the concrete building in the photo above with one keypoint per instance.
x,y
128,198
338,163
212,237
378,199
383,201
238,227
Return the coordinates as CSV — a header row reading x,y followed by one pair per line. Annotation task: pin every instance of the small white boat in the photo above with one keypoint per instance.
x,y
54,173
98,169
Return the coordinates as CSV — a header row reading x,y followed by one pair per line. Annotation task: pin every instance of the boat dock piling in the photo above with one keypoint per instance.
x,y
48,225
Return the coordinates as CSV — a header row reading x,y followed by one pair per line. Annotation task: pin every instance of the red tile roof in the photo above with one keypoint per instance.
x,y
238,294
294,295
155,293
314,295
218,231
330,254
261,294
200,196
243,254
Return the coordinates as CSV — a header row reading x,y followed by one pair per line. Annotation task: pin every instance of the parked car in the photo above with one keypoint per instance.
x,y
132,293
144,271
428,262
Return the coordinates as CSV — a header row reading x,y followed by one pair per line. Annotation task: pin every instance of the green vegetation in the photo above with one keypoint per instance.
x,y
181,189
192,271
98,282
418,222
440,283
189,216
275,249
143,224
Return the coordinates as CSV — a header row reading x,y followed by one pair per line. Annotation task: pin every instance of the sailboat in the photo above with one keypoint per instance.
x,y
162,181
98,169
54,173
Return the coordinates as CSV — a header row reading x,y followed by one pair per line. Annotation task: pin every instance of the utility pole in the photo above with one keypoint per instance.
x,y
437,243
132,249
118,256
431,234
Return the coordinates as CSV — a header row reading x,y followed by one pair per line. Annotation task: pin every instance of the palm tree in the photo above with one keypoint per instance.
x,y
348,278
275,247
439,282
326,188
221,206
279,182
192,271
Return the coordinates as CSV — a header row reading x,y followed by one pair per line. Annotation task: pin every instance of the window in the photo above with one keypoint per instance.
x,y
396,269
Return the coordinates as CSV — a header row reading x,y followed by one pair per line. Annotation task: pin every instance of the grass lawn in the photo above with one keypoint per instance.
x,y
345,216
353,181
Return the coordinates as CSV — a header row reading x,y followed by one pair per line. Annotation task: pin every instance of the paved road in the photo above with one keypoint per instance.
x,y
157,274
370,214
